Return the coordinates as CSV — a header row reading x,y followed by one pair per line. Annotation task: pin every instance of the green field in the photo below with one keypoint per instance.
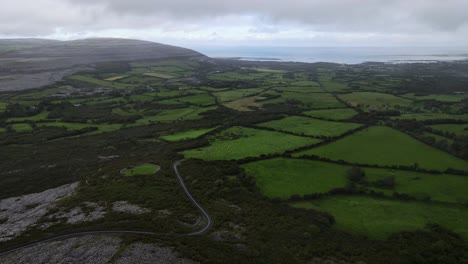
x,y
305,83
158,75
171,115
332,114
41,116
439,187
101,128
202,99
145,169
104,83
186,134
385,146
300,89
372,100
282,178
310,126
431,116
378,218
235,94
457,129
240,142
22,127
438,97
3,107
314,100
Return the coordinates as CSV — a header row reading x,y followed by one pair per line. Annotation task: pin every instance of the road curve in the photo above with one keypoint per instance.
x,y
132,232
207,217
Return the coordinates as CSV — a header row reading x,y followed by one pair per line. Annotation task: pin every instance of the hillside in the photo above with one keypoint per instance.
x,y
31,63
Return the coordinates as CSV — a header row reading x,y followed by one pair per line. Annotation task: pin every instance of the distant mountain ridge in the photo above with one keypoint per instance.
x,y
30,63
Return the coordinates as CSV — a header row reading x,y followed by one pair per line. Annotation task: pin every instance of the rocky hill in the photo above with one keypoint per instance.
x,y
31,63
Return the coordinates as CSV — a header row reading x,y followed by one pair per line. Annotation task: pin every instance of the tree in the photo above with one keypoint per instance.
x,y
356,174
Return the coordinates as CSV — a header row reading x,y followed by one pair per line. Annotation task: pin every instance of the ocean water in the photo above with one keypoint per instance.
x,y
346,55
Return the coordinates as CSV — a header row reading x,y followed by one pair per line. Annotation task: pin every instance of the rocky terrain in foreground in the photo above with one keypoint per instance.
x,y
94,249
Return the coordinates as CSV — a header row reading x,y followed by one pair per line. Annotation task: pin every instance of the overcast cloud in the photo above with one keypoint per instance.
x,y
245,22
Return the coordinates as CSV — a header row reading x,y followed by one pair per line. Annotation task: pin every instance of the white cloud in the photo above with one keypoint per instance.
x,y
272,22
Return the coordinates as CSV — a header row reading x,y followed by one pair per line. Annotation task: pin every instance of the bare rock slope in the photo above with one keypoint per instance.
x,y
31,63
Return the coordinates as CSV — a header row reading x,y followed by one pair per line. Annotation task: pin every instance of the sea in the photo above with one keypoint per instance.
x,y
342,55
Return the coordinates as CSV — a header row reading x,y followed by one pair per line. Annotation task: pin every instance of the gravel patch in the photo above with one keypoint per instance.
x,y
19,213
125,207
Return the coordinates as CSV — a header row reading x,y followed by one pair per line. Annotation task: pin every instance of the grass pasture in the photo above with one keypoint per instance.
x,y
310,126
241,142
41,116
98,82
378,218
457,129
438,97
314,100
245,104
158,75
431,116
184,135
446,188
375,101
385,146
281,178
22,127
332,114
145,169
3,107
203,99
235,94
116,78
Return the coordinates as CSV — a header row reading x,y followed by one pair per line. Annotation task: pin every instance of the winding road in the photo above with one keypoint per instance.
x,y
208,223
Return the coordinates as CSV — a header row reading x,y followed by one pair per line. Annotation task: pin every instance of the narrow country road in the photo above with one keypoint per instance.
x,y
133,232
202,210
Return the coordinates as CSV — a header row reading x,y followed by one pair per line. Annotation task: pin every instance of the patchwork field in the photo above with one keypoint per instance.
x,y
310,126
378,218
439,187
457,129
244,104
282,178
241,142
202,99
21,128
186,134
312,100
385,146
235,94
431,116
372,100
332,114
145,169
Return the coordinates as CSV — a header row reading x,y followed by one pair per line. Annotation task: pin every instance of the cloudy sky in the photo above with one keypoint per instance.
x,y
244,22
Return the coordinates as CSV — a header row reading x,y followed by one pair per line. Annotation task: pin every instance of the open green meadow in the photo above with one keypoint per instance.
x,y
387,147
203,99
437,97
235,94
379,218
281,178
41,116
145,169
375,101
241,142
332,114
457,129
439,187
21,128
431,116
310,126
94,81
184,135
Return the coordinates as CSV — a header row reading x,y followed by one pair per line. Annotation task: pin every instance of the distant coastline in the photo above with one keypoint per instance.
x,y
342,55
